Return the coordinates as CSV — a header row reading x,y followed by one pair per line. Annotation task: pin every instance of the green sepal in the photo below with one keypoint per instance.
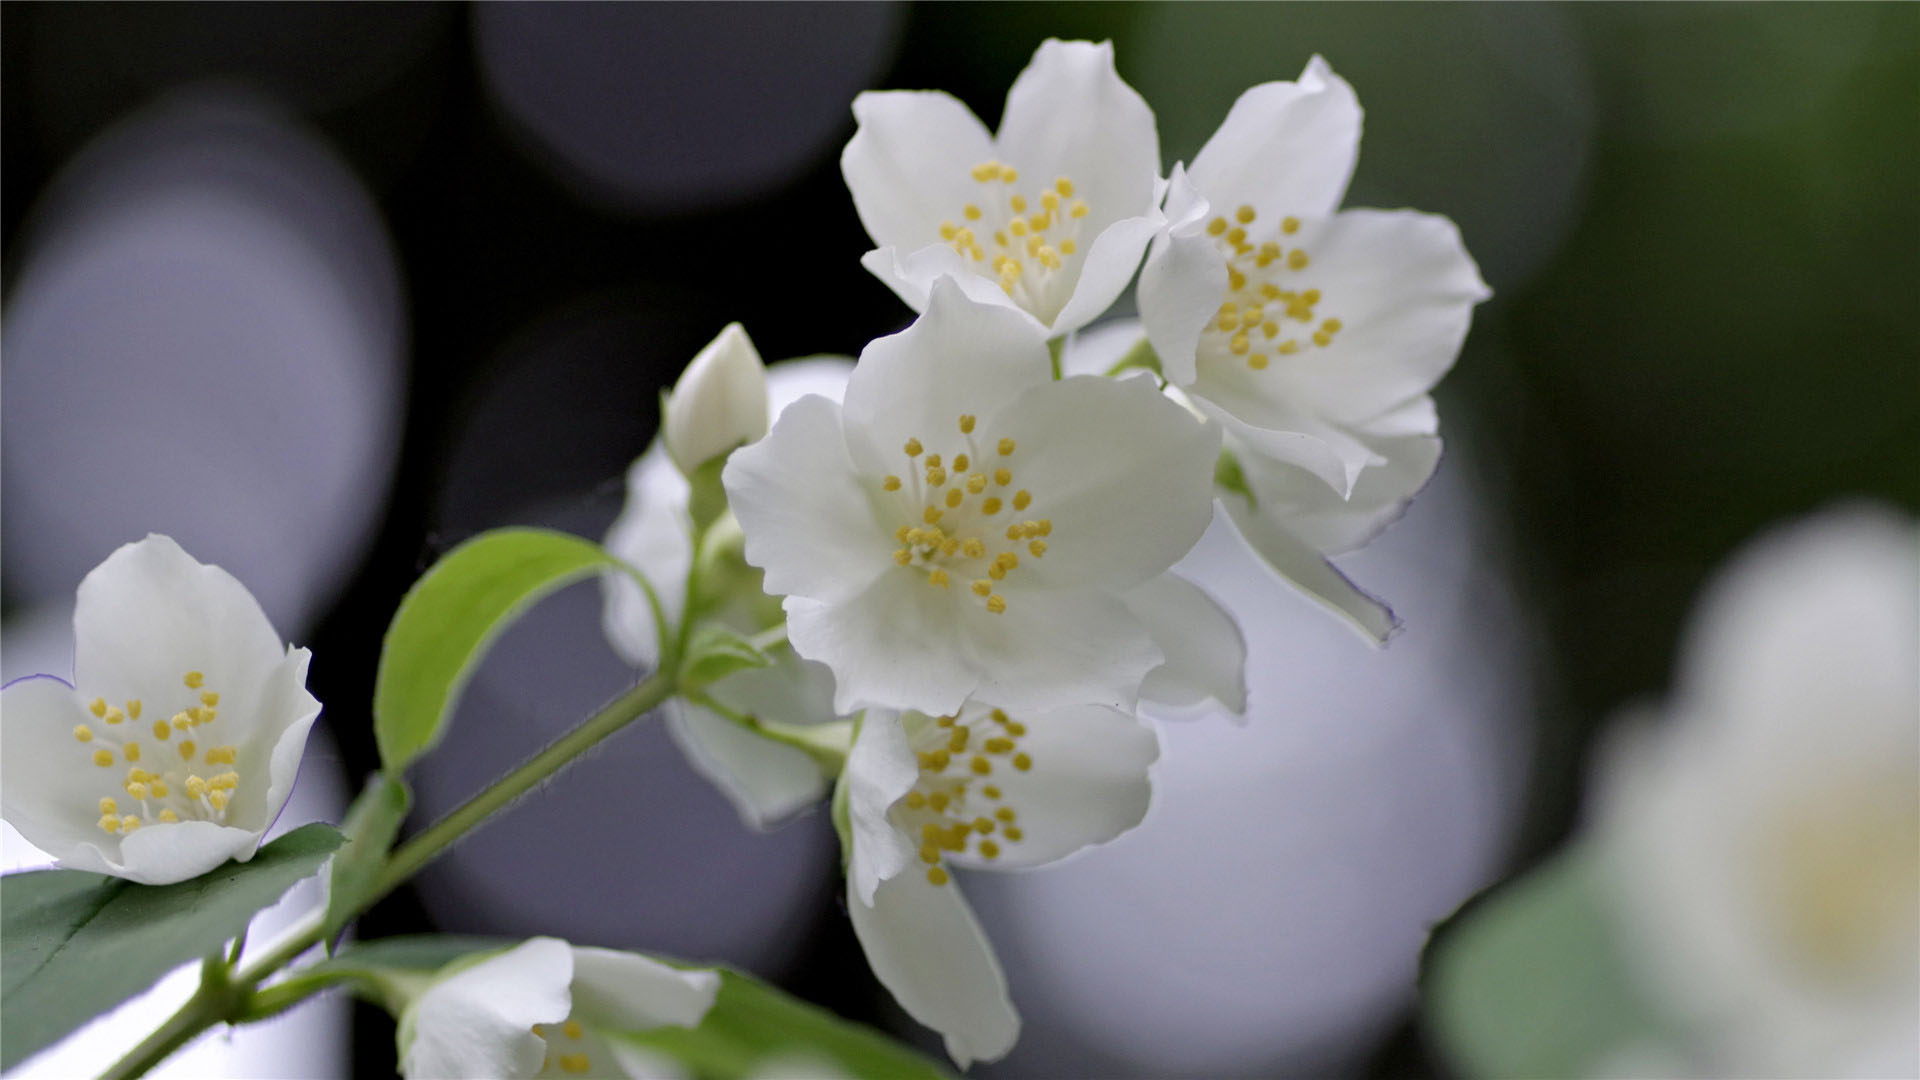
x,y
1142,356
372,823
1227,476
714,652
75,944
706,496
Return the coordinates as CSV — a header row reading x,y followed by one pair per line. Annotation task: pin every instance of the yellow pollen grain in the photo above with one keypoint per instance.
x,y
948,230
989,849
1038,548
1015,728
103,758
971,212
158,788
986,170
955,495
976,484
1235,279
1018,227
938,578
936,476
169,816
1322,338
109,823
1064,186
1005,447
916,799
129,822
196,787
1014,834
960,463
1270,328
990,505
1258,361
137,790
929,852
193,679
997,604
114,715
931,515
1006,559
913,448
1003,477
938,801
957,742
108,806
1217,226
540,1030
945,721
1005,814
1331,326
902,556
1236,237
133,710
1019,204
982,587
1297,259
973,548
573,1029
576,1062
1287,347
1067,246
1229,321
1008,174
132,750
217,800
1240,344
83,733
999,744
1078,210
1289,225
891,483
1022,499
936,875
1022,762
991,792
981,766
996,571
949,546
186,749
1244,215
983,825
933,461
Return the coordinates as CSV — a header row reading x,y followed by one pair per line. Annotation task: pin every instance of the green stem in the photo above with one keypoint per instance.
x,y
769,639
1140,356
1056,346
207,1007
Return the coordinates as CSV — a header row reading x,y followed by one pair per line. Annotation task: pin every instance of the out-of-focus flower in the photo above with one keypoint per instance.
x,y
1311,336
965,524
548,1009
1050,216
180,738
984,789
1766,839
765,780
719,403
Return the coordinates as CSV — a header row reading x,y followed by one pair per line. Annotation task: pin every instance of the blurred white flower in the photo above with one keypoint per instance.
x,y
1311,336
765,780
719,403
984,789
1050,216
547,1009
1766,838
179,740
966,524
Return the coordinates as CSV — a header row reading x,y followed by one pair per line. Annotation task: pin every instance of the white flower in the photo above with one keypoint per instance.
x,y
1050,216
1311,336
179,740
987,789
964,523
545,1008
765,780
719,403
1766,840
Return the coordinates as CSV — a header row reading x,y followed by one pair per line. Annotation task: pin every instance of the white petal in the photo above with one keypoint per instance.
x,y
1285,147
1206,654
719,402
894,645
623,991
928,950
1088,784
479,1021
960,357
909,164
1122,473
283,718
1182,282
881,769
48,781
654,535
1319,517
1276,427
766,781
164,854
1095,351
808,521
1404,288
1058,648
1308,571
912,274
1104,272
790,380
1069,114
150,613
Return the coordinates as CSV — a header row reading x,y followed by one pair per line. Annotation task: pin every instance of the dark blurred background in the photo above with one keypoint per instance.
x,y
321,290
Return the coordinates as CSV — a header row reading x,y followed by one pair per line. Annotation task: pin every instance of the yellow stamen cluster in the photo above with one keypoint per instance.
x,y
563,1048
176,792
1027,240
950,532
954,807
1257,310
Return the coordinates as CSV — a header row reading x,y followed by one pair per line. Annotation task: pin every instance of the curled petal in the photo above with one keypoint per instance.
x,y
908,164
479,1020
623,991
1182,282
1285,147
1309,571
1206,653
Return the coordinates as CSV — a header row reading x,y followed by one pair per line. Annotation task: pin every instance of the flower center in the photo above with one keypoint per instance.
x,y
955,807
166,786
952,529
567,1049
1263,314
1029,240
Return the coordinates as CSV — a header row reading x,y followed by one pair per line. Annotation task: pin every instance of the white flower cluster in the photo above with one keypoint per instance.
x,y
969,546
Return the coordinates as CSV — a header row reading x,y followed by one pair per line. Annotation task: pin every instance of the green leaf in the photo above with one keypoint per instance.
x,y
451,615
371,825
715,652
752,1024
75,944
1529,981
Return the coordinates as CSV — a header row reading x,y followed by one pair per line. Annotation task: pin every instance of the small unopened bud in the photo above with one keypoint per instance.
x,y
719,403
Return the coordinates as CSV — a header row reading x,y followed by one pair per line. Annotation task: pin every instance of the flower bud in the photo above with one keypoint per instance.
x,y
719,403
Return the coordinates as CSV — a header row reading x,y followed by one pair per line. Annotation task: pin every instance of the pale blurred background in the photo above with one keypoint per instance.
x,y
321,290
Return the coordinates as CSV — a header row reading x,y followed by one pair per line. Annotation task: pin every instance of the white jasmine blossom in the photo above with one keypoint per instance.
x,y
766,781
1766,838
719,403
985,788
178,741
1049,216
1311,335
966,524
548,1009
